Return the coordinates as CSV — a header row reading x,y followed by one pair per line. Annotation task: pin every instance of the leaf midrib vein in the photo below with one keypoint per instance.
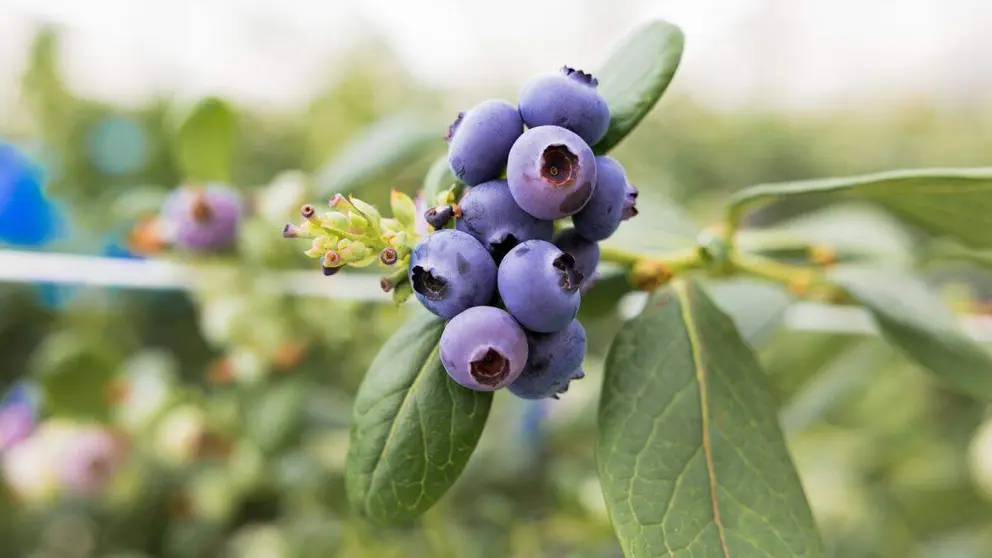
x,y
682,291
392,427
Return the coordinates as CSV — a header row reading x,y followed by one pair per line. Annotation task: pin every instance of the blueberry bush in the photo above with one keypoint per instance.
x,y
689,451
654,404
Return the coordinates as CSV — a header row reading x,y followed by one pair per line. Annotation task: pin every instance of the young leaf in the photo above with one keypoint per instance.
x,y
953,202
690,455
636,75
912,318
205,141
413,429
383,149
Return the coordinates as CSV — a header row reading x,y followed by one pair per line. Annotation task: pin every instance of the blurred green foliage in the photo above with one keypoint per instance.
x,y
236,402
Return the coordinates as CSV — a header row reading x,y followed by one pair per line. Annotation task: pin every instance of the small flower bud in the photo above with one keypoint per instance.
x,y
402,292
391,281
331,259
308,212
290,231
357,224
337,201
403,208
368,211
337,222
388,256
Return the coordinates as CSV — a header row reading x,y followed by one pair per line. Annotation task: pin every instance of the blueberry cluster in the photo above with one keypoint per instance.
x,y
494,267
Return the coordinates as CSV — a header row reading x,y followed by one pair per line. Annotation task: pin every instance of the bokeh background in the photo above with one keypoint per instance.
x,y
213,421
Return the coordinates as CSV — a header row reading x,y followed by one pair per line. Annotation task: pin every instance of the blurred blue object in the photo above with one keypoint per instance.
x,y
27,218
117,145
17,415
534,415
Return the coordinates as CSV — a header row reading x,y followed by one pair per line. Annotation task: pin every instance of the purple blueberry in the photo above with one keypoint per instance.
x,y
601,217
551,172
483,348
494,219
203,219
553,360
479,140
539,285
585,252
568,99
630,203
451,272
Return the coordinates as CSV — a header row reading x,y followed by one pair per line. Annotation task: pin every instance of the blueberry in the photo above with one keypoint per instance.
x,y
539,285
585,252
494,219
483,348
203,219
568,99
451,272
553,360
630,203
551,172
479,141
601,217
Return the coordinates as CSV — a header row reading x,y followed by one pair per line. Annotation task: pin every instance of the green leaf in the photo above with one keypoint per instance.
x,y
856,233
953,202
756,307
912,317
663,226
690,455
205,141
438,179
635,76
414,428
382,150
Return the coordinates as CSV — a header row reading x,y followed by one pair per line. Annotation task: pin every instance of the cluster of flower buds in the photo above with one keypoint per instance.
x,y
354,233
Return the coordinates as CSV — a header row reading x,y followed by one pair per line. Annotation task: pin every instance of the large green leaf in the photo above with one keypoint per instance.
x,y
914,319
855,232
952,202
413,429
205,141
381,150
690,455
635,76
756,307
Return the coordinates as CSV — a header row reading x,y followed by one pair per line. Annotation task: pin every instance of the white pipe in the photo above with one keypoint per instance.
x,y
35,267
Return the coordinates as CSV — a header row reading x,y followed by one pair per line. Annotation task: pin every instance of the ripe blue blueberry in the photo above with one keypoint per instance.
x,y
568,99
494,219
539,285
551,172
601,217
585,252
479,140
483,348
553,360
451,272
630,203
202,219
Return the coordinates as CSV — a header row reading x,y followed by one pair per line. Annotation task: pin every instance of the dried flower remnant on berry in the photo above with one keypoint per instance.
x,y
491,369
579,75
559,165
